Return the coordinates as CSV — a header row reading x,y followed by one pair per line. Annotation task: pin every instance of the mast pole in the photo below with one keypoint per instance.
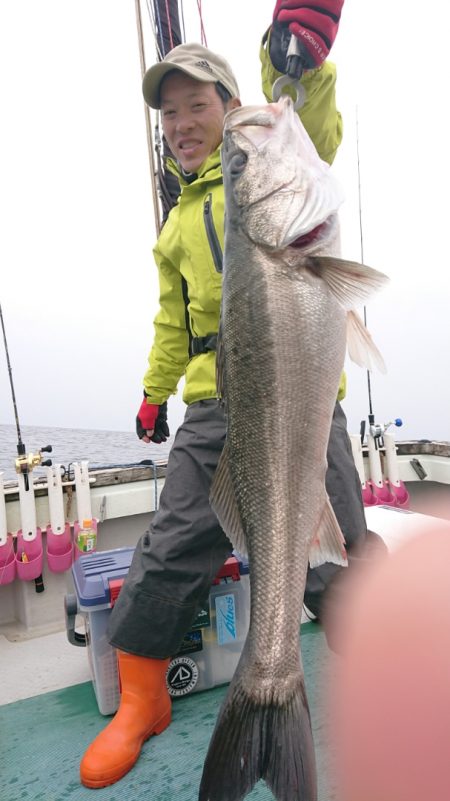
x,y
148,123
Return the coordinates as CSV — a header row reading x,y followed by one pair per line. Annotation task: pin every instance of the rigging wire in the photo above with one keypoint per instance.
x,y
361,239
151,14
202,27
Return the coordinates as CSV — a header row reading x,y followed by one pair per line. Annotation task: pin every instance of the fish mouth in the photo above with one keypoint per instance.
x,y
312,236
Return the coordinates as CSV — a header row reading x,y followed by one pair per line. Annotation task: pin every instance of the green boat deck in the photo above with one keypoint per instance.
x,y
42,740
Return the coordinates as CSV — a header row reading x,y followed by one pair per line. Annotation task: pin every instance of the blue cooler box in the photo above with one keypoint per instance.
x,y
210,651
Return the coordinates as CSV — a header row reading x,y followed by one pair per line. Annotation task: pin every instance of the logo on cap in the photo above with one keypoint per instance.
x,y
204,65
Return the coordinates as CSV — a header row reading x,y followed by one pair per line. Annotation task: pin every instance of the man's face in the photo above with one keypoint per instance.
x,y
192,115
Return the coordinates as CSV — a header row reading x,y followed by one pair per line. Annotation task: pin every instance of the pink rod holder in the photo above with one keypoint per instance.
x,y
59,549
383,494
401,494
7,561
29,556
369,499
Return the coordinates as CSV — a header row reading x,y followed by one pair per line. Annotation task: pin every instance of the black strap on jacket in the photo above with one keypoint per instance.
x,y
202,344
196,345
184,289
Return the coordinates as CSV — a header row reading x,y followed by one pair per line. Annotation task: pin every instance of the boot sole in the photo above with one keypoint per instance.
x,y
158,728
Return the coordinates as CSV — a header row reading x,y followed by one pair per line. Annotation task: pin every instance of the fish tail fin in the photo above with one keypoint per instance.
x,y
253,741
360,345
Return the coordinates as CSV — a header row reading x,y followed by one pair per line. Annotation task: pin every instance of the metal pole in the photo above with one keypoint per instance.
x,y
148,123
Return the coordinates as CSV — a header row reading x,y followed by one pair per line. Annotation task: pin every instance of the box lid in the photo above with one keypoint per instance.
x,y
97,575
93,572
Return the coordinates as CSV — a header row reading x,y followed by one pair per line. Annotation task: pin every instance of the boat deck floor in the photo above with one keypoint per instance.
x,y
43,737
49,714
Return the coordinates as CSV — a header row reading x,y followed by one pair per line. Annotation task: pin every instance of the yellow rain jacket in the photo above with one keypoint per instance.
x,y
191,246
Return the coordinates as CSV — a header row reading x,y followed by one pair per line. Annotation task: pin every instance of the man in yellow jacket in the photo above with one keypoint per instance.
x,y
176,560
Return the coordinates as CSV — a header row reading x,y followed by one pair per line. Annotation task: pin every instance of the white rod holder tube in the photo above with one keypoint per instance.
x,y
376,473
83,491
391,459
358,457
27,508
55,499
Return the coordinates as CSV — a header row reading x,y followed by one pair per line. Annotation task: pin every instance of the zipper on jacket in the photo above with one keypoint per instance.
x,y
211,233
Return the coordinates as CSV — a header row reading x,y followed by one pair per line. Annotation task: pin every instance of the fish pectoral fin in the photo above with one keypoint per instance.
x,y
351,283
223,501
328,545
360,345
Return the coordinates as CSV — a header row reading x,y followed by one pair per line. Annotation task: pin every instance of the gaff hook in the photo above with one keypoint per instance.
x,y
286,80
295,62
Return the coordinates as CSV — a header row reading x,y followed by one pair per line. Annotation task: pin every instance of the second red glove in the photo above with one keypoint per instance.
x,y
314,22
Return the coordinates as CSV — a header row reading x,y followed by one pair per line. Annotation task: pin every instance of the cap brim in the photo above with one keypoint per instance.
x,y
151,83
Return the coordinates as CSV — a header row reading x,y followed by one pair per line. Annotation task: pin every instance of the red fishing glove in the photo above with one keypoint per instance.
x,y
152,417
314,22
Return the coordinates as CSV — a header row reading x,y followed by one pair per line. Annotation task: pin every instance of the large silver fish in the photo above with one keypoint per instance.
x,y
282,342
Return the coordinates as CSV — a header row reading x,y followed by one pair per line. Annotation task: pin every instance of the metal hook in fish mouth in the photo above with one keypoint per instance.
x,y
286,80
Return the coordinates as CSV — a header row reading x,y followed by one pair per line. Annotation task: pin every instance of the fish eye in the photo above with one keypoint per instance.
x,y
237,163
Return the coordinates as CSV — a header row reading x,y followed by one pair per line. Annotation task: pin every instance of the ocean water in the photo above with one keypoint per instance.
x,y
99,448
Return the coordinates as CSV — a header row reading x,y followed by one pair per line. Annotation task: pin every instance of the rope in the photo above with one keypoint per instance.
x,y
202,27
169,25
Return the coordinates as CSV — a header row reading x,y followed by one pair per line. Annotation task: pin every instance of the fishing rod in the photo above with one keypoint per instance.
x,y
20,445
371,415
377,431
25,462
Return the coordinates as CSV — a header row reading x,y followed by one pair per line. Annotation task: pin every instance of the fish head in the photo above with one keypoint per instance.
x,y
277,188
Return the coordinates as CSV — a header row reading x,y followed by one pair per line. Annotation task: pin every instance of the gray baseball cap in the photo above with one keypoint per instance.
x,y
194,60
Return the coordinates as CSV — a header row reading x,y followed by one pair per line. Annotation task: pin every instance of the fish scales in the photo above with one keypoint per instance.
x,y
286,314
285,426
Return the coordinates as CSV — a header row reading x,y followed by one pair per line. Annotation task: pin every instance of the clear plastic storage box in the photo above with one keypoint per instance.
x,y
210,651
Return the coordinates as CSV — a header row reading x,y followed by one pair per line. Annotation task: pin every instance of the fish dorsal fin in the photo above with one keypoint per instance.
x,y
328,544
361,347
351,283
223,501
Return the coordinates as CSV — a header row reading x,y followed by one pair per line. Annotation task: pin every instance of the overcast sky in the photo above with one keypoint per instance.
x,y
78,284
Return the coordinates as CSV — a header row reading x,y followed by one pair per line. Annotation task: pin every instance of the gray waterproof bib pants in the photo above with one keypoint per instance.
x,y
176,560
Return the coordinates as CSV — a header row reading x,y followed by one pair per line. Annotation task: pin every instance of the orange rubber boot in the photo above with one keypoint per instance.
x,y
145,709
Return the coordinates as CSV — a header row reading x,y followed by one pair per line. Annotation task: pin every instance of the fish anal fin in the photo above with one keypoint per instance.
x,y
223,501
360,345
328,545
